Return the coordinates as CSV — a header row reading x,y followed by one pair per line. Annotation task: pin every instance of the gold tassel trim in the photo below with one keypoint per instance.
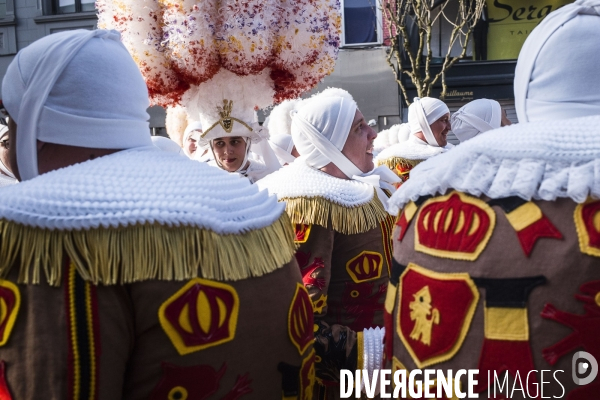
x,y
405,164
346,220
143,252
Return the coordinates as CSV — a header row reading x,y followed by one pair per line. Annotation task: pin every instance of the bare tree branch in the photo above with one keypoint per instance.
x,y
423,15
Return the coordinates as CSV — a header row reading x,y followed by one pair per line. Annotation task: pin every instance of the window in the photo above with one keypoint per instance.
x,y
362,23
73,6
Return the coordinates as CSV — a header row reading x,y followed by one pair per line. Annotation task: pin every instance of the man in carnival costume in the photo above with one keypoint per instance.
x,y
130,272
231,141
338,203
496,250
429,122
6,176
476,117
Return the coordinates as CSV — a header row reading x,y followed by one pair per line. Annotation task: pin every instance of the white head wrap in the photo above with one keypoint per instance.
x,y
282,145
476,117
557,71
320,129
77,88
4,168
424,112
193,130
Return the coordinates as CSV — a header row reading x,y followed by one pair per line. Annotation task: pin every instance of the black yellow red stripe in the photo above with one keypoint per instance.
x,y
387,225
83,336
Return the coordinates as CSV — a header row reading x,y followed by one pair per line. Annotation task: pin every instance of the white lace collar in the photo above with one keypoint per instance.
x,y
140,186
299,180
540,160
412,149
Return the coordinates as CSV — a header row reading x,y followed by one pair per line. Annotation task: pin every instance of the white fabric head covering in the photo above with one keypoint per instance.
x,y
320,129
557,73
4,168
282,145
476,117
77,88
194,130
424,112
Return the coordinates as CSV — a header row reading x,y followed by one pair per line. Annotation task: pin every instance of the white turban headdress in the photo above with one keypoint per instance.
x,y
320,129
424,112
282,145
475,117
557,75
77,88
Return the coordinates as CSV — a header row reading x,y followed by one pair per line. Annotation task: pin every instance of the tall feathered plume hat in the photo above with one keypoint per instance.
x,y
224,59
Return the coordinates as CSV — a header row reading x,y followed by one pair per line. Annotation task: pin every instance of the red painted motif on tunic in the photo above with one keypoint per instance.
x,y
455,227
184,383
9,306
201,314
365,267
302,232
300,319
586,330
435,312
4,392
497,356
590,213
361,303
307,272
307,377
542,228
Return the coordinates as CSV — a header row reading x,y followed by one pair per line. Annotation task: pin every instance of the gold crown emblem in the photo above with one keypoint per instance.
x,y
226,120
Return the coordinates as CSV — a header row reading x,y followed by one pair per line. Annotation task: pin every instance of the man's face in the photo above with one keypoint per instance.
x,y
230,151
359,145
4,150
12,149
440,129
191,145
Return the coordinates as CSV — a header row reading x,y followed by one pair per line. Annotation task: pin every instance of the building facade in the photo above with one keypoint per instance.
x,y
361,68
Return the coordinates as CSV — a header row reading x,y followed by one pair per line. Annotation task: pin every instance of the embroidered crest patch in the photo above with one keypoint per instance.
x,y
183,383
587,221
435,312
407,214
307,376
528,221
201,314
300,319
365,267
302,233
506,328
454,226
10,301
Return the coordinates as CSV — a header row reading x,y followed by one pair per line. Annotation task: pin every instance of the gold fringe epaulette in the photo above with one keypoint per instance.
x,y
346,220
404,163
143,252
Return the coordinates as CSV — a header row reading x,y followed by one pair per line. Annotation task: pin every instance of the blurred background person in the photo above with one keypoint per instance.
x,y
476,117
6,175
190,138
